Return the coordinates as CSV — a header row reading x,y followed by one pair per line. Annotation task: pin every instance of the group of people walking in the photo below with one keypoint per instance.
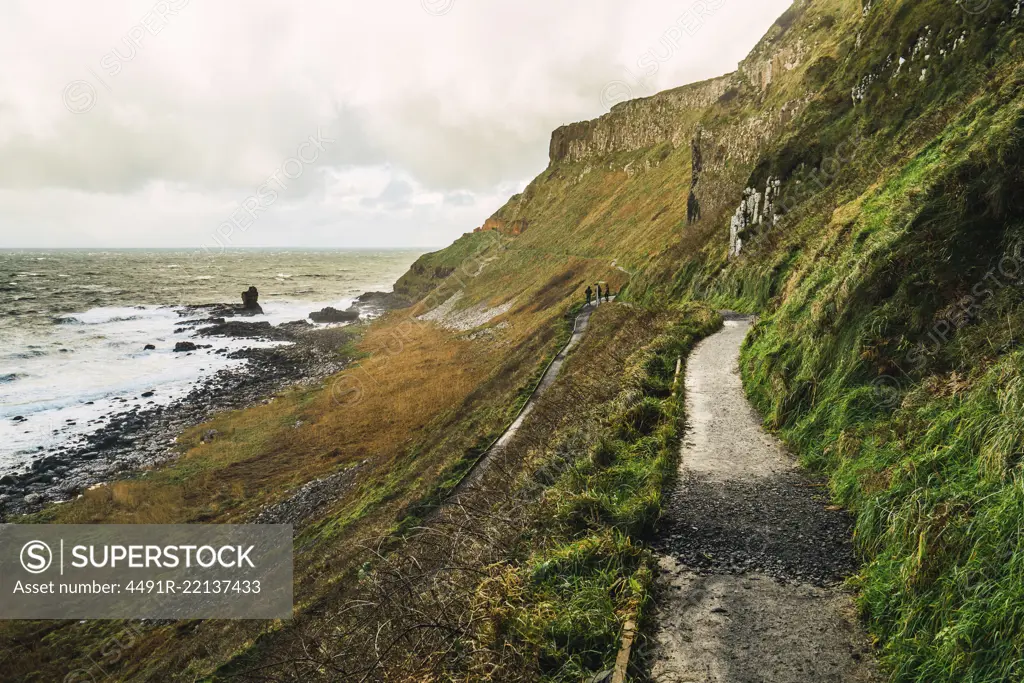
x,y
606,293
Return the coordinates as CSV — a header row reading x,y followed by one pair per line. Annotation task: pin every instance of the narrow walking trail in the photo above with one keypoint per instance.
x,y
752,556
550,375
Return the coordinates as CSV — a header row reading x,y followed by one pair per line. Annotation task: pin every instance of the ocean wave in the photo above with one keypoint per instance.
x,y
32,352
102,316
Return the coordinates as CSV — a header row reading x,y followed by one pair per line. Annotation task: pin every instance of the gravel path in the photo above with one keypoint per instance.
x,y
752,555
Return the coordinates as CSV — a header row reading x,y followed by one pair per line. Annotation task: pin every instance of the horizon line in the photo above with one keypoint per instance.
x,y
246,248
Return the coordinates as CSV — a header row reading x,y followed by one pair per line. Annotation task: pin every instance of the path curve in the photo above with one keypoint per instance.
x,y
751,554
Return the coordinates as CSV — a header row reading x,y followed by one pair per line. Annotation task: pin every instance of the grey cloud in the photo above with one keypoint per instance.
x,y
209,110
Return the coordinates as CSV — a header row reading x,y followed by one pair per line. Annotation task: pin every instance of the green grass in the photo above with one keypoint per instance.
x,y
915,418
563,607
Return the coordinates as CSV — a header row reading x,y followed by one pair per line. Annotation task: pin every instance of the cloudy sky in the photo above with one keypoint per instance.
x,y
183,123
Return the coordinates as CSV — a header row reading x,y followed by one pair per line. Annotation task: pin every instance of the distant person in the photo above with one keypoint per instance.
x,y
590,293
599,293
607,292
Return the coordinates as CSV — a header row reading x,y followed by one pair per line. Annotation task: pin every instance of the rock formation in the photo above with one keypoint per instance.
x,y
513,228
637,124
250,302
333,315
755,209
697,164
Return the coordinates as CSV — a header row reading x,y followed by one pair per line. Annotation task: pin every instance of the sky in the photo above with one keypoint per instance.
x,y
319,123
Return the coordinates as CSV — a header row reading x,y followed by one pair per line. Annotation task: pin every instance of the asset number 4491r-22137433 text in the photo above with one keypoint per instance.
x,y
208,587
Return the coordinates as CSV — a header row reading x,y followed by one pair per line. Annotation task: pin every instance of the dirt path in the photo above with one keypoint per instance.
x,y
752,557
579,327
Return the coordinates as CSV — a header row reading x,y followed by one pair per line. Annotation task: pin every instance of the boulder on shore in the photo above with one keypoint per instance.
x,y
333,315
183,346
382,301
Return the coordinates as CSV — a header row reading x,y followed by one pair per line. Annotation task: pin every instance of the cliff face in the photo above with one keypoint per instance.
x,y
511,228
724,123
666,118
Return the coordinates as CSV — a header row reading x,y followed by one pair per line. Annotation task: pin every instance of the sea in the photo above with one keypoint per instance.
x,y
74,325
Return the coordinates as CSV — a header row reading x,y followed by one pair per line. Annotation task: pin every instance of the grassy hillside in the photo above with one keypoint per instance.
x,y
406,420
886,264
889,353
857,182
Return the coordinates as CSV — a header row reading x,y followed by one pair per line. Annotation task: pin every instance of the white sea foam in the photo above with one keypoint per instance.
x,y
101,360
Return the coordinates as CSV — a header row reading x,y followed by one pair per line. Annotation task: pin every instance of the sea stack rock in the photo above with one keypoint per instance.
x,y
250,302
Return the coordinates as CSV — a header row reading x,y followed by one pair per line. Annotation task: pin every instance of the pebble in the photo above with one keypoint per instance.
x,y
778,527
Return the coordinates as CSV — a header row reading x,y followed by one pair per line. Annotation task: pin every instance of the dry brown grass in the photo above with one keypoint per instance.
x,y
416,372
372,411
410,408
146,504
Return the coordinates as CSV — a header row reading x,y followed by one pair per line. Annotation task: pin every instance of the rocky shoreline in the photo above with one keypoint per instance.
x,y
145,435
